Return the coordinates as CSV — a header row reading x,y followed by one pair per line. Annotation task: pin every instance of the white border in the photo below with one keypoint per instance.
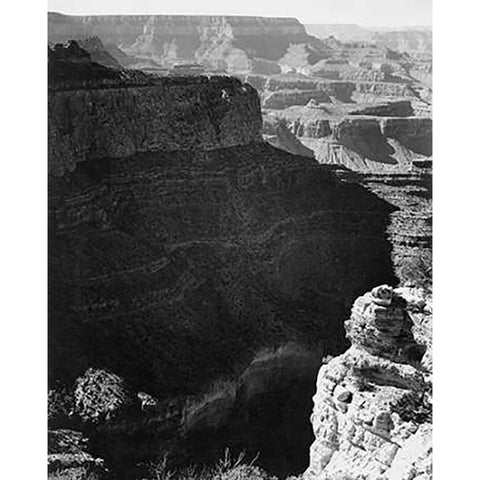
x,y
456,241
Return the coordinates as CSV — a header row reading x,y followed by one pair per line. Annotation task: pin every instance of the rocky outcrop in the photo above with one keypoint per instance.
x,y
276,133
72,66
371,91
69,457
414,133
203,113
363,136
98,52
372,409
101,395
284,93
402,108
316,128
410,228
286,98
247,44
360,141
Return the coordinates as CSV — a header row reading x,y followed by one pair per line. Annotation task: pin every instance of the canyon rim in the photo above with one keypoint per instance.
x,y
240,248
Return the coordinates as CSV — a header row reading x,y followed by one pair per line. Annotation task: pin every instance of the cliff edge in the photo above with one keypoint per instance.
x,y
372,409
104,113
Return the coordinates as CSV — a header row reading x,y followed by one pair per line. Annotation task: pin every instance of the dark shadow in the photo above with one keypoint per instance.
x,y
170,269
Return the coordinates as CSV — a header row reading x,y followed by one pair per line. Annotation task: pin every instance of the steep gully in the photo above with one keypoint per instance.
x,y
178,255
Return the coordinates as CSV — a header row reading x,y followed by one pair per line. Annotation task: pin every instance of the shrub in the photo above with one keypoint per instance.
x,y
101,395
227,468
413,407
60,408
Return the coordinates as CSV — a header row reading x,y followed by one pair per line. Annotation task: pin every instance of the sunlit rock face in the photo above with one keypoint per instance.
x,y
372,413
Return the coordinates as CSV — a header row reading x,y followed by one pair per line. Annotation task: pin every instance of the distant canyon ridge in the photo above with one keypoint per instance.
x,y
230,43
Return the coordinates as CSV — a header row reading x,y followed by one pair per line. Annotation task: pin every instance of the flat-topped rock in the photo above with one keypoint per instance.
x,y
168,114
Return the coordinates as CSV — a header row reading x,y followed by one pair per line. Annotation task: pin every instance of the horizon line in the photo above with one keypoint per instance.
x,y
426,25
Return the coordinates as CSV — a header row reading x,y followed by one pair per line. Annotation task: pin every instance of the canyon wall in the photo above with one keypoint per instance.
x,y
372,417
186,113
232,43
360,139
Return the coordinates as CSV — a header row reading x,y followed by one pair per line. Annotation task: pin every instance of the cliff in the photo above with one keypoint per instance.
x,y
372,409
203,113
98,52
362,139
402,108
391,156
276,133
226,42
181,243
280,94
413,41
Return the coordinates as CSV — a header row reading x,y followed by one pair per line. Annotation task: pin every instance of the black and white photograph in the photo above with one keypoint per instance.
x,y
238,238
240,244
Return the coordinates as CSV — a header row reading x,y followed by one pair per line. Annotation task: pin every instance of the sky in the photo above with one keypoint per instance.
x,y
362,12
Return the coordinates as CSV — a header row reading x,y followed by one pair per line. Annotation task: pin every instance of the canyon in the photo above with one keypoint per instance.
x,y
220,42
208,235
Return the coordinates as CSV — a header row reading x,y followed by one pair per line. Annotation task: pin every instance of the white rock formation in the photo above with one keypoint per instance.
x,y
372,408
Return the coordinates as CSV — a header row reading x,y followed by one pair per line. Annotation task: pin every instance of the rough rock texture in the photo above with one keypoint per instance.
x,y
248,236
414,133
101,395
69,457
281,96
372,408
98,52
203,113
286,98
401,108
364,143
372,91
232,43
276,133
410,228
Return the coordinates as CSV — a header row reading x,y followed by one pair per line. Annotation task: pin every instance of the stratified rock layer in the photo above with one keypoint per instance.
x,y
230,43
365,139
372,413
181,240
185,113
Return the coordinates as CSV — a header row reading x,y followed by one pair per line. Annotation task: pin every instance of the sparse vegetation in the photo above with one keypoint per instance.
x,y
80,473
227,468
413,407
100,395
60,407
